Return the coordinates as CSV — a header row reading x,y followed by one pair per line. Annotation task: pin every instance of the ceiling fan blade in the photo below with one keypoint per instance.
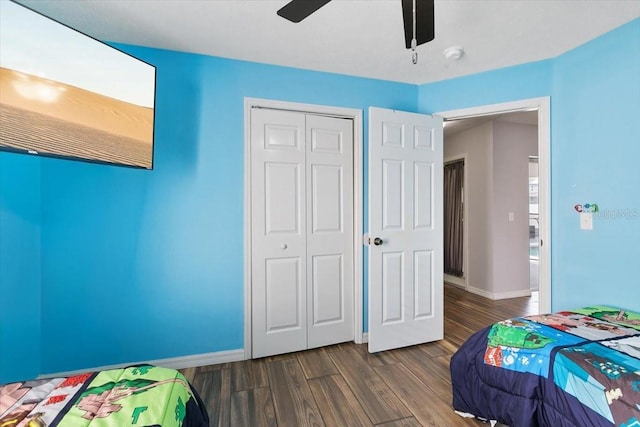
x,y
425,31
297,10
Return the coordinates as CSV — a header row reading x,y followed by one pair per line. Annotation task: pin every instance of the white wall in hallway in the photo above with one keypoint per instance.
x,y
497,154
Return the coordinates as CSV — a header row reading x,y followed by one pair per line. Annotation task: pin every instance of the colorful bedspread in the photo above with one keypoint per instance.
x,y
136,396
573,368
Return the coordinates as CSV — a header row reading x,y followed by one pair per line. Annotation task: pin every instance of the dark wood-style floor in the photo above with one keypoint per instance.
x,y
344,385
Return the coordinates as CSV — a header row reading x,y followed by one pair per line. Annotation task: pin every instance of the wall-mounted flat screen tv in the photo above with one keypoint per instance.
x,y
65,94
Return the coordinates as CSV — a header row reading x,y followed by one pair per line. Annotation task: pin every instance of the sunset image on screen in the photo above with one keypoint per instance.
x,y
65,94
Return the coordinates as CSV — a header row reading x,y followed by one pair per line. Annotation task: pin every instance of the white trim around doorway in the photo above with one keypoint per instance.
x,y
350,113
542,105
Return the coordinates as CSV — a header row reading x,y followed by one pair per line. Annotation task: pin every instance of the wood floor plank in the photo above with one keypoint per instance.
x,y
249,374
292,398
381,358
279,357
316,363
253,408
337,403
224,414
214,387
432,349
405,422
425,406
433,372
189,373
456,333
372,392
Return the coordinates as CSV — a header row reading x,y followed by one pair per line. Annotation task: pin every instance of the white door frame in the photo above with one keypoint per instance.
x,y
461,281
350,113
542,105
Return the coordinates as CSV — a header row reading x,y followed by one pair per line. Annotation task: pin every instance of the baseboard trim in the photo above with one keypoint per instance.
x,y
512,294
501,295
181,362
365,337
460,282
480,292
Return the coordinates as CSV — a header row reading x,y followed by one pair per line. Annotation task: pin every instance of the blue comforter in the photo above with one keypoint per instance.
x,y
575,368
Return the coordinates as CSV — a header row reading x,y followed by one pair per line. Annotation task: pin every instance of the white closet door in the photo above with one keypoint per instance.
x,y
279,270
302,231
329,230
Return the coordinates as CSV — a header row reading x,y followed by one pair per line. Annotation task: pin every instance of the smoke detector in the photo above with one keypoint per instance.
x,y
453,52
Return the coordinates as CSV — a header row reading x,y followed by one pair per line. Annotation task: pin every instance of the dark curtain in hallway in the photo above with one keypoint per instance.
x,y
453,218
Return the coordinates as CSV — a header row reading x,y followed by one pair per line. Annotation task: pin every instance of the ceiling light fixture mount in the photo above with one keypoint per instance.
x,y
453,52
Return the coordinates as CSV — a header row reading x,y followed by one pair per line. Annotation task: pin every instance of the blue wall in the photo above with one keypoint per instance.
x,y
595,153
525,81
20,254
141,265
595,147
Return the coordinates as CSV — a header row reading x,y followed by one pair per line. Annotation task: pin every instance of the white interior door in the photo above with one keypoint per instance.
x,y
405,227
302,231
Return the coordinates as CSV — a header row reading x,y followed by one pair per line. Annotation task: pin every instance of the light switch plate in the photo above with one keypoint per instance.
x,y
586,221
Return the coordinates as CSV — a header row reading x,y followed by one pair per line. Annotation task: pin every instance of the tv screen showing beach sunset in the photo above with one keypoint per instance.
x,y
65,94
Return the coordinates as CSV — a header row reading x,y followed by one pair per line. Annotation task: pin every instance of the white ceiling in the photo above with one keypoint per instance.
x,y
354,37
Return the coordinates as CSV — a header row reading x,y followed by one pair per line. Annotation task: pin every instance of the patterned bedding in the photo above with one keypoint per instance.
x,y
136,396
573,368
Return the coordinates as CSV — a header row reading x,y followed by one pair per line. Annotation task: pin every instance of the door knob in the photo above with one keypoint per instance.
x,y
377,241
